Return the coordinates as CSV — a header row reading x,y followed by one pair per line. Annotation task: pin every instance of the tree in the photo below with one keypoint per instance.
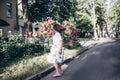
x,y
26,15
101,22
81,14
58,10
95,11
115,14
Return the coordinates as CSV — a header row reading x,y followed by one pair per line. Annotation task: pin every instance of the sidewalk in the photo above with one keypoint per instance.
x,y
90,43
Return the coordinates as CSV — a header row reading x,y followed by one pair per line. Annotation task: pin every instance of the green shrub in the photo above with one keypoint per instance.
x,y
73,46
10,51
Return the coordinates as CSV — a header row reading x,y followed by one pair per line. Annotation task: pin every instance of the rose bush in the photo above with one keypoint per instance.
x,y
70,34
72,37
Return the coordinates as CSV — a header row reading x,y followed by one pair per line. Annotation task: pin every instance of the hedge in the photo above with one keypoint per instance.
x,y
10,51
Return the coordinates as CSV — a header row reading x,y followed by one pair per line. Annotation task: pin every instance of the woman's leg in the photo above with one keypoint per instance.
x,y
60,68
57,68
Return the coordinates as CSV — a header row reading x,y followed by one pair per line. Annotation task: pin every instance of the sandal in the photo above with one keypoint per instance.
x,y
62,72
57,75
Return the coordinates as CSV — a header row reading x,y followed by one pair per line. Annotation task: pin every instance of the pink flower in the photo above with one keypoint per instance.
x,y
73,32
79,30
73,42
34,34
63,25
29,33
71,27
41,31
45,31
51,21
75,39
41,25
45,22
70,37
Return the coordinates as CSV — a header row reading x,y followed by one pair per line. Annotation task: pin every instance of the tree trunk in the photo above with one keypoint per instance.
x,y
106,28
95,32
100,31
94,22
17,27
26,15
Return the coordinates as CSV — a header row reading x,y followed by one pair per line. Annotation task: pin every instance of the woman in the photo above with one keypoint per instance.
x,y
57,49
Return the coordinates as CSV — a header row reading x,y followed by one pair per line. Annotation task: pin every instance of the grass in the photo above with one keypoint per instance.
x,y
31,65
24,68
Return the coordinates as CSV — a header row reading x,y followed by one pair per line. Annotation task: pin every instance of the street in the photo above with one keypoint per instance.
x,y
101,62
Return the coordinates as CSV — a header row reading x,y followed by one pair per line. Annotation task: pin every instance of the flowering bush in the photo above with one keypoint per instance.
x,y
45,27
45,30
70,34
72,39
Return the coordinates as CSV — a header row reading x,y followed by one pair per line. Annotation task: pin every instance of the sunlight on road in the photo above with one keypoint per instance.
x,y
84,57
64,66
88,55
95,53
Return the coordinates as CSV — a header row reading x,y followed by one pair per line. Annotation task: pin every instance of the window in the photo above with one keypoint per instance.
x,y
9,9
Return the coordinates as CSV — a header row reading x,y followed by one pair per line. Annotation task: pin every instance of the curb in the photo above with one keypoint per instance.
x,y
47,71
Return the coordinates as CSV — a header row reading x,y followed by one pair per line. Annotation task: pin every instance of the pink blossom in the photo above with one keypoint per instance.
x,y
73,32
45,22
75,39
71,27
34,34
29,33
79,30
73,42
70,37
51,21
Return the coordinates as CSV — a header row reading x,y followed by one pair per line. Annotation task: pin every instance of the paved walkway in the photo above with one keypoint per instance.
x,y
101,62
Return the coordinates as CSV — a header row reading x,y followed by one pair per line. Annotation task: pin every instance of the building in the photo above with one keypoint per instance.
x,y
8,13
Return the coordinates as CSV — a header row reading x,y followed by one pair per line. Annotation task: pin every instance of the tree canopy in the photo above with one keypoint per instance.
x,y
83,14
115,14
58,10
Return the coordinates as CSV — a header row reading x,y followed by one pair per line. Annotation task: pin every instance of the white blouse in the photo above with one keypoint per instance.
x,y
57,38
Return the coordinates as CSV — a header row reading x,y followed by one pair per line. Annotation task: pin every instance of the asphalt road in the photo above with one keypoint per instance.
x,y
101,62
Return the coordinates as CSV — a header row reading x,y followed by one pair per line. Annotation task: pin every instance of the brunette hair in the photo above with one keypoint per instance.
x,y
58,28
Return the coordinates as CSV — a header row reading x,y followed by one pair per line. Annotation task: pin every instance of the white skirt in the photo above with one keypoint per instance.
x,y
54,57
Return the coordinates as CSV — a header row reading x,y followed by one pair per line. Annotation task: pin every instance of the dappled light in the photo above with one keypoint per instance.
x,y
90,31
